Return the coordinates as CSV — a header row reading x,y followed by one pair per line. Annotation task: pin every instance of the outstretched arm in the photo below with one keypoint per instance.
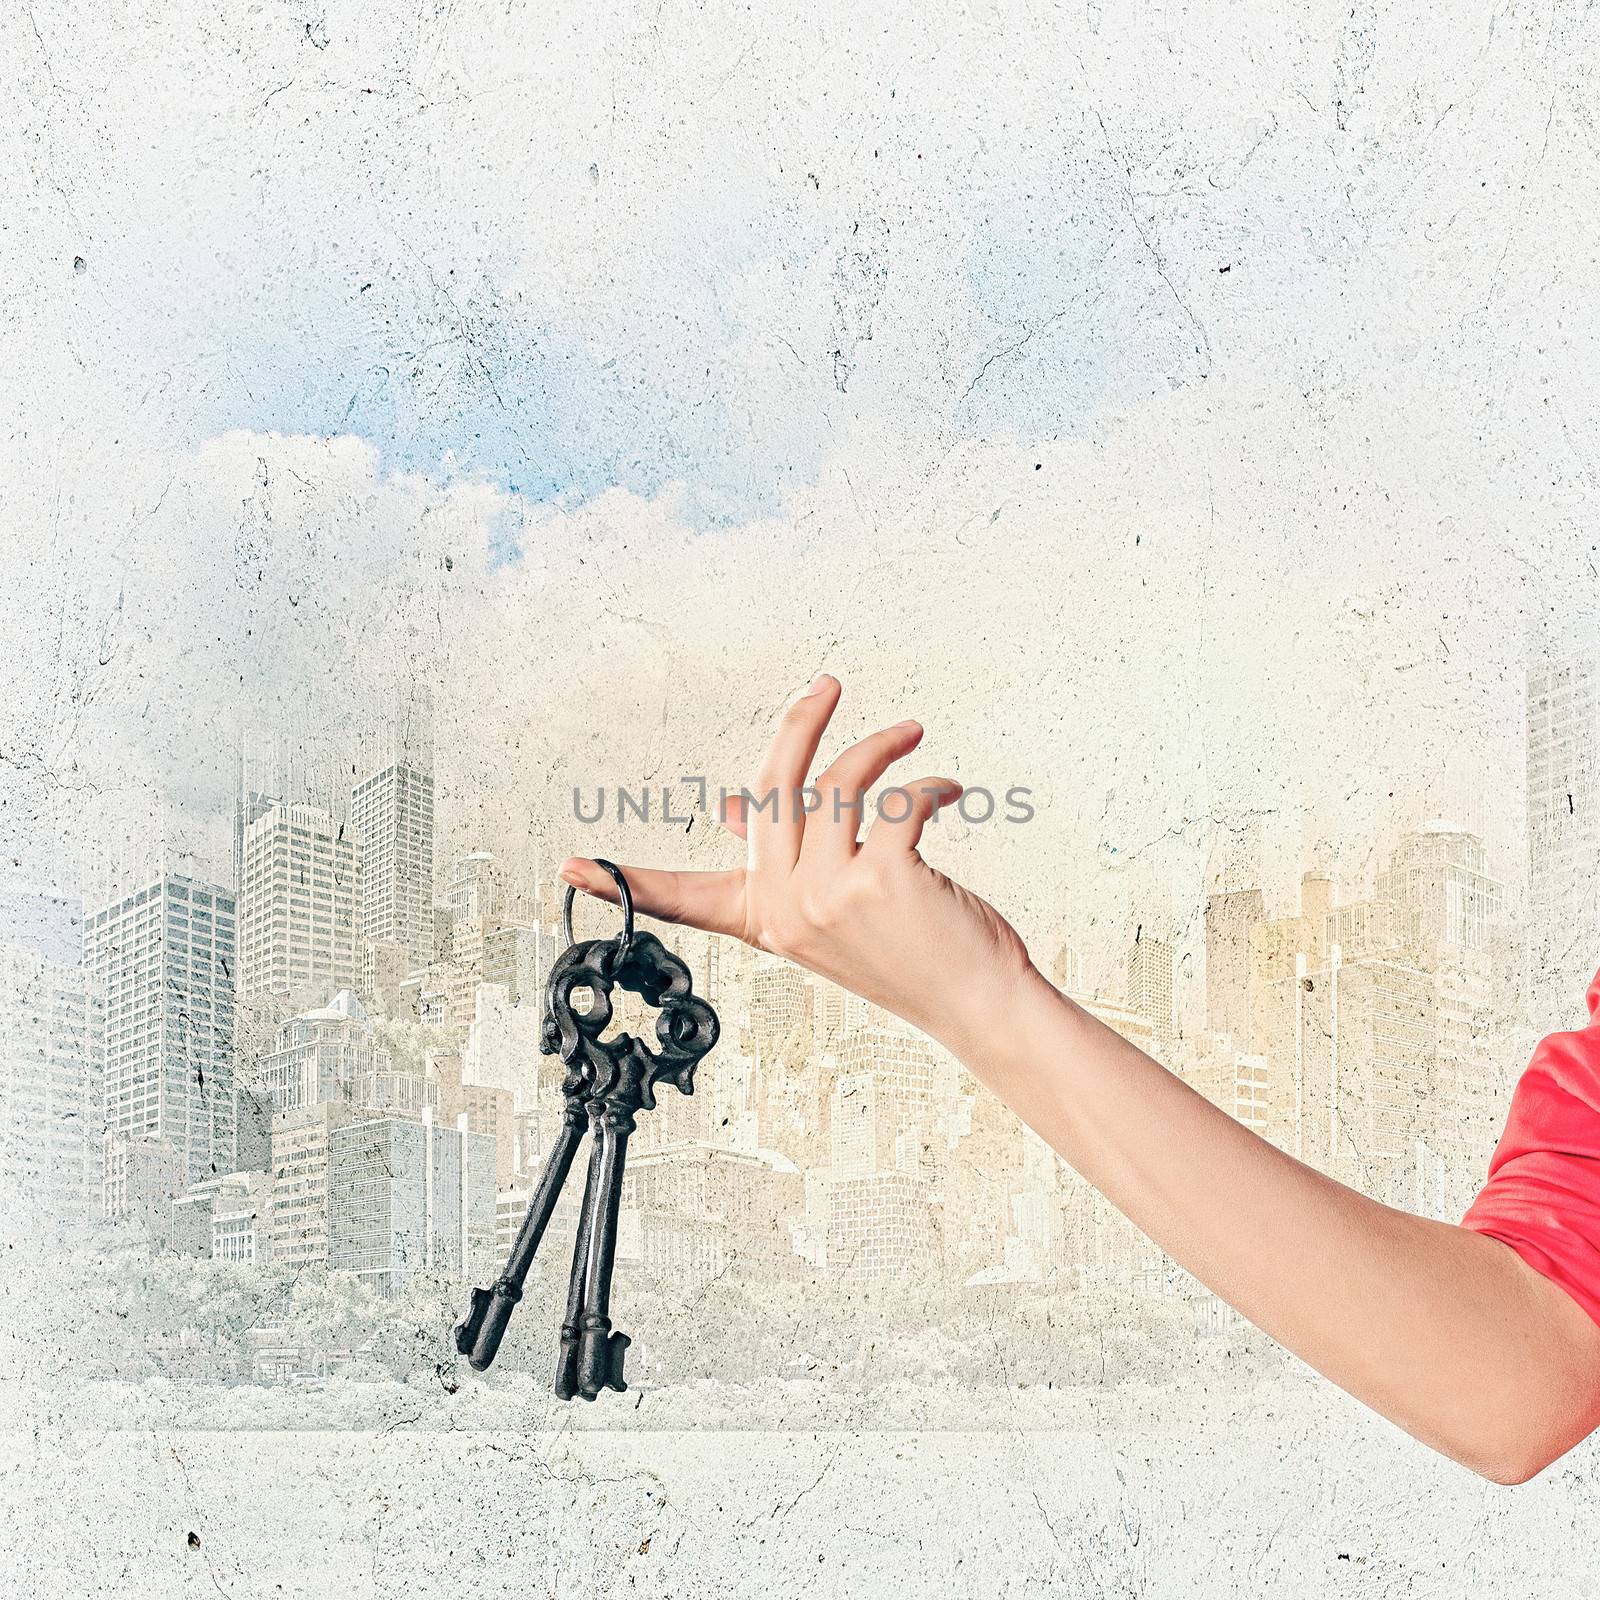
x,y
1446,1332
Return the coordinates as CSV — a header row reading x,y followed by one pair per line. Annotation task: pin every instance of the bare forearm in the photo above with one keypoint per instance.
x,y
1447,1333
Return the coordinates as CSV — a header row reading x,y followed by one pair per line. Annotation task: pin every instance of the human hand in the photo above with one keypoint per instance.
x,y
868,913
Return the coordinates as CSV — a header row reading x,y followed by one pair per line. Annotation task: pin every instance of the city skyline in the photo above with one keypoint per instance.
x,y
1370,1030
417,416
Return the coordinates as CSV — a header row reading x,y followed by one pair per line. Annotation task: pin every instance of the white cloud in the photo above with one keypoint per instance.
x,y
1282,560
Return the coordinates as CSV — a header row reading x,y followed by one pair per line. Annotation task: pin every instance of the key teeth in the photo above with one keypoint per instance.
x,y
567,1363
605,1359
616,1350
467,1329
597,1364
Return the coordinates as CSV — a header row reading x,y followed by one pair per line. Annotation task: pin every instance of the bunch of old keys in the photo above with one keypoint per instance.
x,y
607,1083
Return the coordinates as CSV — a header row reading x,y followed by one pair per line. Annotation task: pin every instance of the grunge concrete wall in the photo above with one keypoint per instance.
x,y
1187,413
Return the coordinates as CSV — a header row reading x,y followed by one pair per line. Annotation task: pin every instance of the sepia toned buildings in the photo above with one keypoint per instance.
x,y
1563,749
1149,990
378,1015
1377,1027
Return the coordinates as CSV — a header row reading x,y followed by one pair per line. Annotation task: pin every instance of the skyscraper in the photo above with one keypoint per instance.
x,y
1381,1039
1563,836
1229,918
163,959
880,1224
887,1147
299,1209
407,1197
474,943
1368,1069
835,1012
1150,988
1450,906
391,815
780,1007
298,898
884,1114
1451,914
474,895
259,782
51,1113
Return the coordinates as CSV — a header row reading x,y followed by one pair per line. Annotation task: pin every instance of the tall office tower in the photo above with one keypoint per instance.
x,y
299,1174
780,1007
473,945
1450,914
1563,837
1229,918
1066,969
456,1101
163,959
885,1105
690,1213
259,783
880,1224
407,1197
1283,952
1367,1071
51,1110
517,958
1150,989
391,815
1438,878
276,763
835,1013
298,899
1276,942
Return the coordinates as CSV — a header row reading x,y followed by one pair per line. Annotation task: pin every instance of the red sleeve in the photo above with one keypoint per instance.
x,y
1543,1192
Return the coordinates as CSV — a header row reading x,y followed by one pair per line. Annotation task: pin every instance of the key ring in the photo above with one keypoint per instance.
x,y
608,1082
626,896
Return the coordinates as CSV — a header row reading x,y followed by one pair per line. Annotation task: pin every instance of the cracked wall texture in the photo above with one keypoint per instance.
x,y
1188,415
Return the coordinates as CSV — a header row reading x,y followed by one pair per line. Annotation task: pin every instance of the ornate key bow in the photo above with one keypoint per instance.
x,y
607,1083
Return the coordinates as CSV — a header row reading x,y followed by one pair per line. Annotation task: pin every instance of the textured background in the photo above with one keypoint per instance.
x,y
1186,412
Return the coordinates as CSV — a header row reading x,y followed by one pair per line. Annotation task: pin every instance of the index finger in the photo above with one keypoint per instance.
x,y
709,900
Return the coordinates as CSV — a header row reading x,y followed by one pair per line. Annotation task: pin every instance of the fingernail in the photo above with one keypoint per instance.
x,y
817,685
569,873
910,722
